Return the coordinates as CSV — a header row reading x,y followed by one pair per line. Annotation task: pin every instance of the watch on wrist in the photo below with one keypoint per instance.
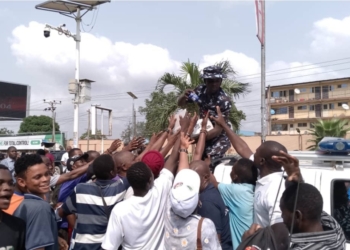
x,y
183,150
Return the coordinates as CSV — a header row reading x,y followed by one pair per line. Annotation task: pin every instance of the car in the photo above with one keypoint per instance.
x,y
58,156
325,172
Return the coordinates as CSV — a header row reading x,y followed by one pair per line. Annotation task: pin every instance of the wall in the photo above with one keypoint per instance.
x,y
291,142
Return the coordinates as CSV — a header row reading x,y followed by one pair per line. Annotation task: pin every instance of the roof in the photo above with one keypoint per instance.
x,y
313,82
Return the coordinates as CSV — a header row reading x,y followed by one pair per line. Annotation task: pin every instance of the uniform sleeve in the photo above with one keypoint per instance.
x,y
225,107
209,210
209,238
70,205
197,91
39,228
114,235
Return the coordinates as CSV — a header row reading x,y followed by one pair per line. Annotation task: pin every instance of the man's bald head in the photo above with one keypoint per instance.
x,y
264,153
92,155
200,166
202,169
122,161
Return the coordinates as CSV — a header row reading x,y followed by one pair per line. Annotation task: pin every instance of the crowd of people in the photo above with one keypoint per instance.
x,y
154,196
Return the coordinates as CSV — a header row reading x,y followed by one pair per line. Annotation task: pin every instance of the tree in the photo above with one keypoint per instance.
x,y
5,131
35,123
126,134
160,105
327,128
96,136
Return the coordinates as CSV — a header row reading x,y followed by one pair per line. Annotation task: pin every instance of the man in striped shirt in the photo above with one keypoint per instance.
x,y
92,203
313,229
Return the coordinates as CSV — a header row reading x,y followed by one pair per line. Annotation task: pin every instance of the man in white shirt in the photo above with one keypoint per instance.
x,y
64,159
138,222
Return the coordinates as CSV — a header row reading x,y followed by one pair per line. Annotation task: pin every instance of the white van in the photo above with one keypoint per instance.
x,y
323,171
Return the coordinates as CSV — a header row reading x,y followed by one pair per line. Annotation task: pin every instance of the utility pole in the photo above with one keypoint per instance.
x,y
133,113
52,108
88,132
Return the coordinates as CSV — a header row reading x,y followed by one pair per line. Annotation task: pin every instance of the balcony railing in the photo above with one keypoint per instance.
x,y
338,94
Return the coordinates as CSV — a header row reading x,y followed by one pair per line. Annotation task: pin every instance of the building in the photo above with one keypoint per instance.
x,y
299,105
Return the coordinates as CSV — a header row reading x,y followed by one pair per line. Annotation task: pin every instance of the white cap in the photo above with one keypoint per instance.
x,y
184,195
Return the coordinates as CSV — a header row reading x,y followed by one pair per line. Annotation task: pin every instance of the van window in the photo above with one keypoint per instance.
x,y
341,204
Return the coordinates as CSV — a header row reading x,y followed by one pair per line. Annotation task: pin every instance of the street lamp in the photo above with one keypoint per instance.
x,y
133,113
71,9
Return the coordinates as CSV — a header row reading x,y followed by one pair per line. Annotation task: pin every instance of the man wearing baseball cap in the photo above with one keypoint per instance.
x,y
184,229
210,94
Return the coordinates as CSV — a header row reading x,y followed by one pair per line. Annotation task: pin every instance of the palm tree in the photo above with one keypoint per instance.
x,y
327,128
189,78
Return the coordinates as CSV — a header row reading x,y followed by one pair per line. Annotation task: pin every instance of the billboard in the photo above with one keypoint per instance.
x,y
29,142
14,101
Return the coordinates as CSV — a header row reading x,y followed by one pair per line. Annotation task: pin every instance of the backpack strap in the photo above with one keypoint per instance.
x,y
199,234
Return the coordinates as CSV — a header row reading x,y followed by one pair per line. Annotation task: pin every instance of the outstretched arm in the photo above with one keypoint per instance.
x,y
239,145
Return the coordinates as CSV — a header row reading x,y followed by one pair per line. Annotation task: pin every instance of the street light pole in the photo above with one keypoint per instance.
x,y
73,9
77,80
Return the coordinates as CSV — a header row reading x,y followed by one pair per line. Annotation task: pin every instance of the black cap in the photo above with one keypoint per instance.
x,y
75,158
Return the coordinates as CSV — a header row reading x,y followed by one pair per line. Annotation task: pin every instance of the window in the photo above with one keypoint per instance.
x,y
312,125
339,207
342,86
291,125
303,90
341,103
331,88
302,124
302,107
312,107
279,127
331,106
325,106
282,110
279,93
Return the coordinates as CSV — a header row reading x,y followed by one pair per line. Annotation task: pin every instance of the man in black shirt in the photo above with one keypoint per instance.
x,y
12,229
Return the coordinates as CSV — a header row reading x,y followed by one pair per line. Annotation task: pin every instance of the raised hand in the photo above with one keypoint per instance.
x,y
205,121
290,165
185,141
220,119
172,121
185,122
115,145
193,123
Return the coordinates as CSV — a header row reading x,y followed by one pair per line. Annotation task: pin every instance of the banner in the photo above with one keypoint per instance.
x,y
30,142
260,20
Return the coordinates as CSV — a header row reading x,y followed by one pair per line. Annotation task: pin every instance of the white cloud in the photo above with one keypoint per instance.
x,y
118,67
331,37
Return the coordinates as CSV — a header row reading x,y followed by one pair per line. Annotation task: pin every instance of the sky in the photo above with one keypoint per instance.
x,y
129,45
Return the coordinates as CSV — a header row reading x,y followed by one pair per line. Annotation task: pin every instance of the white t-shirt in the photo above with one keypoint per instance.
x,y
266,205
65,157
138,222
54,179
